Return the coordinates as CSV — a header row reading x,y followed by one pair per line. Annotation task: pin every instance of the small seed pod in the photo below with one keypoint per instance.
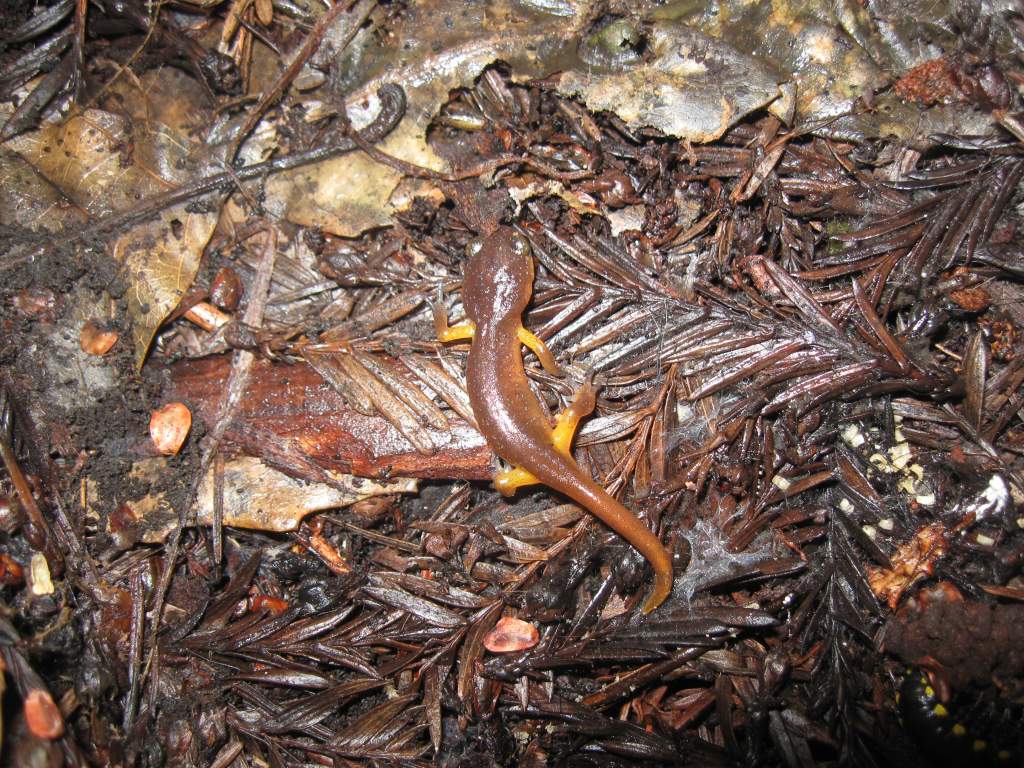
x,y
35,302
42,716
511,634
226,289
169,426
95,339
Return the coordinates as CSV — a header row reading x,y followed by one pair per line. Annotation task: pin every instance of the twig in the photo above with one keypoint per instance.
x,y
39,532
138,624
309,46
236,385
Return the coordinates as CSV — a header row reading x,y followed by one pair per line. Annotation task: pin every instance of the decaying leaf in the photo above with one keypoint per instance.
x,y
693,87
255,497
161,267
432,54
103,163
651,73
687,85
295,414
90,159
914,561
29,199
266,499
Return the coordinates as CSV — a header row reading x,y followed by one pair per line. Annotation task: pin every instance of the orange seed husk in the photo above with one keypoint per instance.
x,y
96,340
169,426
42,716
511,634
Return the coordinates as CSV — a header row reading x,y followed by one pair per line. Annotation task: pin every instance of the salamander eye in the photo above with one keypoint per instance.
x,y
520,246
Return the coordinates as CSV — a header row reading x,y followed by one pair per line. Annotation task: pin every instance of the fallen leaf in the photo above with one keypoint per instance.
x,y
689,85
29,199
103,162
255,497
692,87
430,52
914,561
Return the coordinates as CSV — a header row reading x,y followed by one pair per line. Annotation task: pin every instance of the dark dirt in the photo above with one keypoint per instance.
x,y
974,643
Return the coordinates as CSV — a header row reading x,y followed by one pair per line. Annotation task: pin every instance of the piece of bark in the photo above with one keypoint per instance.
x,y
291,410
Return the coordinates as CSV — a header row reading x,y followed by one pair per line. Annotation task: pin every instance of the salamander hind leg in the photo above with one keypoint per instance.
x,y
509,481
569,419
636,533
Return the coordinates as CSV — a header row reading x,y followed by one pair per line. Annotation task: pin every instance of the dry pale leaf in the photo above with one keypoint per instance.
x,y
687,85
29,199
255,496
103,162
87,158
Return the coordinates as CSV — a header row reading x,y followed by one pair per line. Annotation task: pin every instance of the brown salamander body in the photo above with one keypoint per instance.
x,y
497,285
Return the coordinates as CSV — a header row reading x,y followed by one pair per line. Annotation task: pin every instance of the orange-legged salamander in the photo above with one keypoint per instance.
x,y
497,284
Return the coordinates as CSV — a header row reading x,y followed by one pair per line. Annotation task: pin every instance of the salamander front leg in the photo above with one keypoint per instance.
x,y
540,349
445,332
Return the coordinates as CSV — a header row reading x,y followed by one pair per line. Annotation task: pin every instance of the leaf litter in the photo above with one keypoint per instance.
x,y
792,268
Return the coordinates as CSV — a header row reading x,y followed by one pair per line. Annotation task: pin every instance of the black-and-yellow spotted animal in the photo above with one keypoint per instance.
x,y
963,732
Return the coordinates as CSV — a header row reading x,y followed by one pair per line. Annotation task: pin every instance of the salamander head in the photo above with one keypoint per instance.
x,y
498,277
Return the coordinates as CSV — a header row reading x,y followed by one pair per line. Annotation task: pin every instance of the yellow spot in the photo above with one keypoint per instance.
x,y
897,697
959,730
901,454
1003,754
929,691
940,711
39,571
979,745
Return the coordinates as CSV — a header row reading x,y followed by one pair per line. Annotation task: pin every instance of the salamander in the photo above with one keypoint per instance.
x,y
496,288
957,736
